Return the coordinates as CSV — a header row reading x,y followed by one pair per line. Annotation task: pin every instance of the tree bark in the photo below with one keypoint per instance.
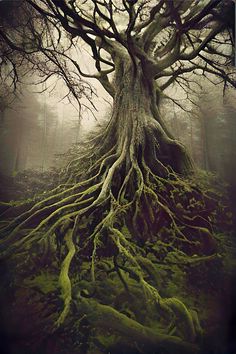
x,y
148,339
136,125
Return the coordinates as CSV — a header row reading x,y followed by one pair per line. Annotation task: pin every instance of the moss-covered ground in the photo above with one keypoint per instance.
x,y
55,300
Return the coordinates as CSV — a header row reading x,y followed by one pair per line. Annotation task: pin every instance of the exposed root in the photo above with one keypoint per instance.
x,y
115,207
64,279
109,319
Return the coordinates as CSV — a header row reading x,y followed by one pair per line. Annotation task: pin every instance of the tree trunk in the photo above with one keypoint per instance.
x,y
136,127
120,195
205,147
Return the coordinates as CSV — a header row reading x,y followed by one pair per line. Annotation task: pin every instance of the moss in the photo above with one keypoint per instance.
x,y
64,279
107,318
45,282
137,233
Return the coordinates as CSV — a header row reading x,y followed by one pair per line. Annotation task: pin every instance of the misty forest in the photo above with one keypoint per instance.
x,y
117,176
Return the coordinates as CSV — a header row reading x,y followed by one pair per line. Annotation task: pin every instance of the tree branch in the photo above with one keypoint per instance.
x,y
215,30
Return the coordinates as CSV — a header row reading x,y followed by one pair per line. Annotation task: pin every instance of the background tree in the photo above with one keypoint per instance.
x,y
123,197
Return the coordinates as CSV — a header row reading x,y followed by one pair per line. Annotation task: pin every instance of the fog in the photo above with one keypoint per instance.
x,y
40,124
38,127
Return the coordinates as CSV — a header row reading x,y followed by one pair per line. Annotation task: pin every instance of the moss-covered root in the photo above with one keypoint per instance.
x,y
110,320
184,321
64,280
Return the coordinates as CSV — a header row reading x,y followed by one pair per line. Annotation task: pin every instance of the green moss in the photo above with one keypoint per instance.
x,y
64,279
45,282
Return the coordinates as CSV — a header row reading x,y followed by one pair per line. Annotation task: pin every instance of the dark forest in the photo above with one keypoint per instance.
x,y
117,212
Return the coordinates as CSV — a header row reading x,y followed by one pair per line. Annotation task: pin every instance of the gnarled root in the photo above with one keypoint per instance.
x,y
120,206
145,338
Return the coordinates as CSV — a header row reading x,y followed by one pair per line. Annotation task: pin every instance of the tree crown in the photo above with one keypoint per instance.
x,y
168,39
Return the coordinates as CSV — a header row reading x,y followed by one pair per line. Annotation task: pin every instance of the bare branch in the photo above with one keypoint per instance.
x,y
213,32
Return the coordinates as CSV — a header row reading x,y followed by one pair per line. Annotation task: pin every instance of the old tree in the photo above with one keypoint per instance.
x,y
128,219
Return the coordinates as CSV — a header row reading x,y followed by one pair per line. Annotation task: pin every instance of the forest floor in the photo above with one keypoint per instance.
x,y
30,300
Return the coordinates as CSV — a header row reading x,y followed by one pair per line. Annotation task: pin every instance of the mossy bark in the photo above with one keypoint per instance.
x,y
122,192
145,338
136,128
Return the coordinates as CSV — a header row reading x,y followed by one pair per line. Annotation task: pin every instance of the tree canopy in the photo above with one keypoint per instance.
x,y
128,211
168,38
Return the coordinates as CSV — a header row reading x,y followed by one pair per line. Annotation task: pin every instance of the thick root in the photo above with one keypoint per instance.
x,y
64,279
120,206
147,339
